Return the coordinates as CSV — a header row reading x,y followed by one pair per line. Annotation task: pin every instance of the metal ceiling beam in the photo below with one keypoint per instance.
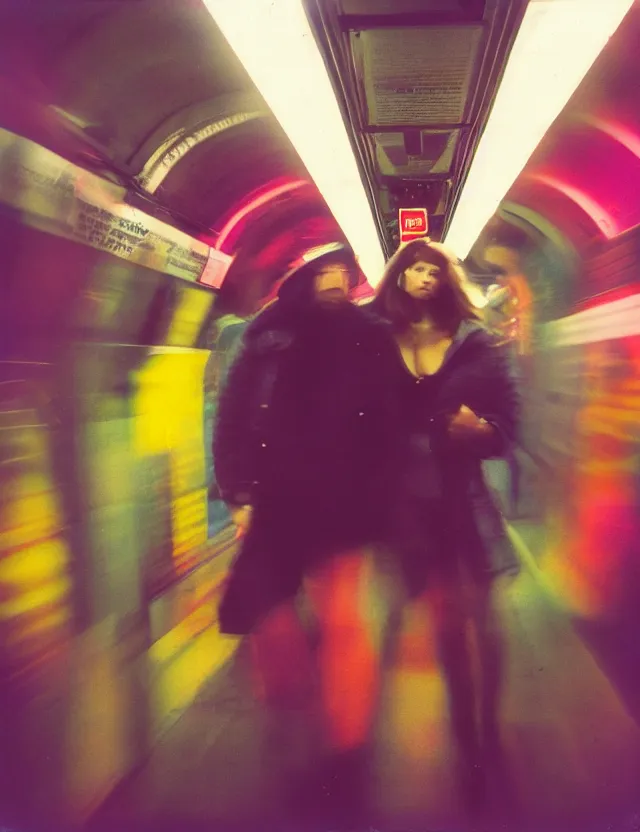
x,y
405,128
364,22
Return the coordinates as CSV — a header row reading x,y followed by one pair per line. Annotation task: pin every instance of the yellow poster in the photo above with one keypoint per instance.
x,y
169,422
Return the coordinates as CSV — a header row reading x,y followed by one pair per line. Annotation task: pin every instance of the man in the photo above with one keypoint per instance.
x,y
303,449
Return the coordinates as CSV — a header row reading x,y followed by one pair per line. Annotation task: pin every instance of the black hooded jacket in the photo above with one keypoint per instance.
x,y
305,434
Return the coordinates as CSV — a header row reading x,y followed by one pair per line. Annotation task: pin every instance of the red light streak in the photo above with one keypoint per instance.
x,y
253,204
605,222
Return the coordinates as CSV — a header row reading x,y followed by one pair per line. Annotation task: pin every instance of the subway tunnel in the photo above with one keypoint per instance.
x,y
151,201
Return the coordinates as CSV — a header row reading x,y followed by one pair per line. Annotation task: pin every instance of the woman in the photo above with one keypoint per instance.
x,y
460,406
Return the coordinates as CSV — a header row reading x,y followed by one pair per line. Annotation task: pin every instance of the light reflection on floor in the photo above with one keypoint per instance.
x,y
573,753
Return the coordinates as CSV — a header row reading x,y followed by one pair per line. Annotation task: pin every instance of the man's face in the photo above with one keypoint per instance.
x,y
332,284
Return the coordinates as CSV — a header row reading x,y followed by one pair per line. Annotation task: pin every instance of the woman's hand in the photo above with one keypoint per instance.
x,y
241,519
465,425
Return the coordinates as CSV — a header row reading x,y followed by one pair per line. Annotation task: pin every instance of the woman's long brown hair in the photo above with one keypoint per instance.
x,y
449,308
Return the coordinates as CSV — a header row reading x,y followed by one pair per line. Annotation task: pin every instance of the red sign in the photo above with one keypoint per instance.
x,y
413,223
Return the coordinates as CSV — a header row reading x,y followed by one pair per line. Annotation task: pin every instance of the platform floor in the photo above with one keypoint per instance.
x,y
573,750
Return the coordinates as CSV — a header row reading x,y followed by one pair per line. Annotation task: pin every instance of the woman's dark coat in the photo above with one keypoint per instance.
x,y
446,521
305,434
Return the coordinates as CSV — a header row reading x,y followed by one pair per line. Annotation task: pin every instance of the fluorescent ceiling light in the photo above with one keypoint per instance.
x,y
275,43
556,46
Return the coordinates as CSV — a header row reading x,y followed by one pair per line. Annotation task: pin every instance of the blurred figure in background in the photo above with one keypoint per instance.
x,y
302,447
460,406
517,305
498,317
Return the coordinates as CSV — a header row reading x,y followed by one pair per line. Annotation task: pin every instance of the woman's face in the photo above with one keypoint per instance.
x,y
421,280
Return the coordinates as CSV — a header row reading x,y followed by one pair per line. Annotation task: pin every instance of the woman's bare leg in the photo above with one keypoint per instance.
x,y
491,653
452,643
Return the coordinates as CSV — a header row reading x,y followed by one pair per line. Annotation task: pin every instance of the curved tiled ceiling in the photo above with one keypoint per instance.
x,y
585,175
133,77
151,90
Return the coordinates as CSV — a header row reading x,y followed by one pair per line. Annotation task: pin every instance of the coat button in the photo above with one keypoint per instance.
x,y
264,406
361,413
264,444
